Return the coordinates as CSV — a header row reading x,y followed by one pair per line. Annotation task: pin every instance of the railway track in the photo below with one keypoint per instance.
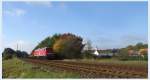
x,y
89,70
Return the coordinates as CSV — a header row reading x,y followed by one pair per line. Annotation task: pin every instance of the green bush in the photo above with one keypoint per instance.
x,y
8,53
122,54
88,55
138,58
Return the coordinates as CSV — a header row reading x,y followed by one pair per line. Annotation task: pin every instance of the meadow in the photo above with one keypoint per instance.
x,y
16,68
84,68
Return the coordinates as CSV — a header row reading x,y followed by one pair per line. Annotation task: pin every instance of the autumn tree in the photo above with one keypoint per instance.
x,y
48,41
130,47
68,46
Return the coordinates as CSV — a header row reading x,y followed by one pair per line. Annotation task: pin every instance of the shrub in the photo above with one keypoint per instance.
x,y
87,54
8,53
123,54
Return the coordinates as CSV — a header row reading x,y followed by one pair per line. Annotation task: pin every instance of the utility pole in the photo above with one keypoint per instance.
x,y
17,46
20,47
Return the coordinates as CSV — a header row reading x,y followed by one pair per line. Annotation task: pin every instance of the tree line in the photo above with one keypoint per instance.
x,y
9,53
71,46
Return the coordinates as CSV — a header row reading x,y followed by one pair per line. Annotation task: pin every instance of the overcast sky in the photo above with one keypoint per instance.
x,y
106,24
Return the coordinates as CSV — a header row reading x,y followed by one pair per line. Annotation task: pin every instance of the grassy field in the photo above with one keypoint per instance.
x,y
15,68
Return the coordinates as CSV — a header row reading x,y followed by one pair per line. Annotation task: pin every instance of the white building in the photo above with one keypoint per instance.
x,y
96,52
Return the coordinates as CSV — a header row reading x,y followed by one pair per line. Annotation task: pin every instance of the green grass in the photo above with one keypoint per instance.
x,y
16,68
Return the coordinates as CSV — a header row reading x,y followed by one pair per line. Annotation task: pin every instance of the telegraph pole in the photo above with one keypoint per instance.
x,y
17,46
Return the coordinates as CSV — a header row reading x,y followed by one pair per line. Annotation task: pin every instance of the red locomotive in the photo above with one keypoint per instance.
x,y
42,51
45,53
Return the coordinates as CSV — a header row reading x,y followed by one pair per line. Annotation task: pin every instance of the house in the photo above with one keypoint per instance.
x,y
133,53
141,52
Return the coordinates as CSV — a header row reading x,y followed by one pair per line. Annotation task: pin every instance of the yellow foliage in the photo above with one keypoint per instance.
x,y
143,51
